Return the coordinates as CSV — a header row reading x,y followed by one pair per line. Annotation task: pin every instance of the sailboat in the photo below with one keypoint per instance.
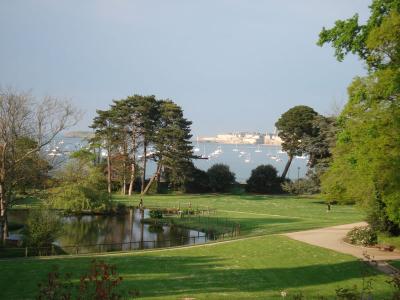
x,y
204,155
197,148
258,150
235,149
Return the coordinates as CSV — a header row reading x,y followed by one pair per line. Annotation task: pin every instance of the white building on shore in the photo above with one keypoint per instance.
x,y
252,138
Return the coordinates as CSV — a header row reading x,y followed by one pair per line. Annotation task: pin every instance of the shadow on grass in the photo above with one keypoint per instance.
x,y
188,275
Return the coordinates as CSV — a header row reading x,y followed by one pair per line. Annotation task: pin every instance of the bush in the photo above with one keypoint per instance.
x,y
303,186
78,198
42,228
101,282
378,219
197,181
156,214
221,178
121,209
364,236
264,179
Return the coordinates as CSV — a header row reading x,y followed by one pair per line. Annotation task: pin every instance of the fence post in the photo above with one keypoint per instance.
x,y
26,251
154,244
194,240
77,250
52,249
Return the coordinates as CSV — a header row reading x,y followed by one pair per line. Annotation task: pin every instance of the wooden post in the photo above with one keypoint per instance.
x,y
26,251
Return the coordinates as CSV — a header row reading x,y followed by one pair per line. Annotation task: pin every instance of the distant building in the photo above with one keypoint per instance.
x,y
244,138
272,139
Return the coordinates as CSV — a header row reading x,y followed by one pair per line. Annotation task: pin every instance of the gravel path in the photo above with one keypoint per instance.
x,y
332,238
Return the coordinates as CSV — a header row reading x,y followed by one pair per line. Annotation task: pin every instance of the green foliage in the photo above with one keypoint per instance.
x,y
42,228
364,236
367,152
368,41
264,180
156,214
146,128
300,130
82,186
366,156
293,126
302,186
220,177
78,198
196,181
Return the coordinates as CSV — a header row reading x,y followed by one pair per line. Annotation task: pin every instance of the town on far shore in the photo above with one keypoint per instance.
x,y
244,138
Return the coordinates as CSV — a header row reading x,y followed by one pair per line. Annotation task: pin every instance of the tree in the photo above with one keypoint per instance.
x,y
21,118
172,145
367,40
221,178
366,157
145,122
107,135
43,227
293,127
196,181
82,187
264,179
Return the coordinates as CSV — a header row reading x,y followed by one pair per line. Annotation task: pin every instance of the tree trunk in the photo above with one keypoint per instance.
x,y
285,171
152,180
123,190
132,181
133,168
3,213
159,180
144,167
109,171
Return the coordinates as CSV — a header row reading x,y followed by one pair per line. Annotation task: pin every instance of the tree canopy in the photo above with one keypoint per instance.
x,y
366,157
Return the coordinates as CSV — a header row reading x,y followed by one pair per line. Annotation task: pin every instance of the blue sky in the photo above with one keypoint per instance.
x,y
231,64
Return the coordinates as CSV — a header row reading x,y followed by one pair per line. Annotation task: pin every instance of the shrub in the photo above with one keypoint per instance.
x,y
378,219
156,214
101,282
221,178
121,209
197,181
264,179
42,228
303,186
78,198
364,236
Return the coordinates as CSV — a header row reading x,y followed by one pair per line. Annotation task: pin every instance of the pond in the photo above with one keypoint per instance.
x,y
98,233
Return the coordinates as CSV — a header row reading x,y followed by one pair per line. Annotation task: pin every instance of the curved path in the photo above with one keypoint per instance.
x,y
332,238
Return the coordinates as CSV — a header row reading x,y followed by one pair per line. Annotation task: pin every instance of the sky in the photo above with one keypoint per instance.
x,y
233,65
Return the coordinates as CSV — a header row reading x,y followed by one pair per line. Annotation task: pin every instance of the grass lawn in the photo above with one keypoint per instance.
x,y
396,264
258,215
259,267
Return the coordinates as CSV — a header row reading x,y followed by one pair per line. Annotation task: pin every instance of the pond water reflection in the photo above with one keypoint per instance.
x,y
97,233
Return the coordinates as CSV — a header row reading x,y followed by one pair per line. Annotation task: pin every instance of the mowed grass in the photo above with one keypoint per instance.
x,y
254,268
258,215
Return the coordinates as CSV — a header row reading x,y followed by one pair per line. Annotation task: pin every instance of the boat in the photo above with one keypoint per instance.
x,y
197,148
235,149
258,150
